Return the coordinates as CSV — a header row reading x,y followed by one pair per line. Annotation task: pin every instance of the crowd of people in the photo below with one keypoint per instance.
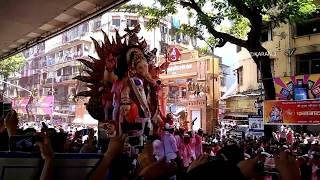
x,y
178,154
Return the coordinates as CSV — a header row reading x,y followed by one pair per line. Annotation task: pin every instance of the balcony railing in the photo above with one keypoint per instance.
x,y
66,77
51,80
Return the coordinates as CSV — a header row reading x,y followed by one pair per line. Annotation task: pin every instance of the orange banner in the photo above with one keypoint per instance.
x,y
291,112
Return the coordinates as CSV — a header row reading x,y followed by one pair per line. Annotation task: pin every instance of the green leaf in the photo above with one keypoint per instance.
x,y
11,65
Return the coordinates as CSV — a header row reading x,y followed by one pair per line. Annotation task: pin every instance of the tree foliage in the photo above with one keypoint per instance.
x,y
247,18
244,14
11,65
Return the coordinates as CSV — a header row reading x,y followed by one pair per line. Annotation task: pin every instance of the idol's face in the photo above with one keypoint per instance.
x,y
125,109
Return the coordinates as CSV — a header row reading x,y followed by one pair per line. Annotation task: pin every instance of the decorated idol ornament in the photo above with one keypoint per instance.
x,y
137,86
124,77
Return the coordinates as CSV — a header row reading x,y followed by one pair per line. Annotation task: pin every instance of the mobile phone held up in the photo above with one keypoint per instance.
x,y
24,143
134,132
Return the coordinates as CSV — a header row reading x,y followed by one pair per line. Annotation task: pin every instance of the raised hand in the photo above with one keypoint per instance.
x,y
146,157
159,170
249,167
115,148
47,155
11,122
45,148
116,145
287,165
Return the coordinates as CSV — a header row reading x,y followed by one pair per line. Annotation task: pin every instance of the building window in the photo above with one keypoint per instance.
x,y
185,39
75,70
59,72
308,64
36,79
67,54
266,35
272,70
308,27
178,38
35,63
240,75
132,22
71,35
145,23
163,29
44,76
50,59
60,55
67,71
222,81
97,25
272,67
238,48
116,22
79,52
173,92
85,28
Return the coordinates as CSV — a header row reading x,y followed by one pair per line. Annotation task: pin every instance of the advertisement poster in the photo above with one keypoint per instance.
x,y
300,87
255,123
292,112
44,105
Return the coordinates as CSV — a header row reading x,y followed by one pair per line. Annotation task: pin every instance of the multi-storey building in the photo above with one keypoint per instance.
x,y
192,85
294,50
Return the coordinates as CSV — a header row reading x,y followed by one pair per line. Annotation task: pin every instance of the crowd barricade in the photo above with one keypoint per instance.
x,y
27,166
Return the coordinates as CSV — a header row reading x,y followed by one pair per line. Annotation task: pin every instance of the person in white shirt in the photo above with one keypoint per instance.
x,y
158,149
169,143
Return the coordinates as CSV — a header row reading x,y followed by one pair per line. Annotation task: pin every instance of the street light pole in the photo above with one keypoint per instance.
x,y
213,79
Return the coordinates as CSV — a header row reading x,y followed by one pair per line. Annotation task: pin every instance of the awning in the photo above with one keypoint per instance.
x,y
27,23
235,116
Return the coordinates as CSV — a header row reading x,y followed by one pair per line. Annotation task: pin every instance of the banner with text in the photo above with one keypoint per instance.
x,y
291,112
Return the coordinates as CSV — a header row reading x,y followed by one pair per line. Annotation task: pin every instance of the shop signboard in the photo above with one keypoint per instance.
x,y
181,67
255,123
301,112
299,87
237,134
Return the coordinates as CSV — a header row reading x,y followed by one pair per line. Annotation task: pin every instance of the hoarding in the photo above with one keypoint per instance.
x,y
302,112
300,87
255,123
45,104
